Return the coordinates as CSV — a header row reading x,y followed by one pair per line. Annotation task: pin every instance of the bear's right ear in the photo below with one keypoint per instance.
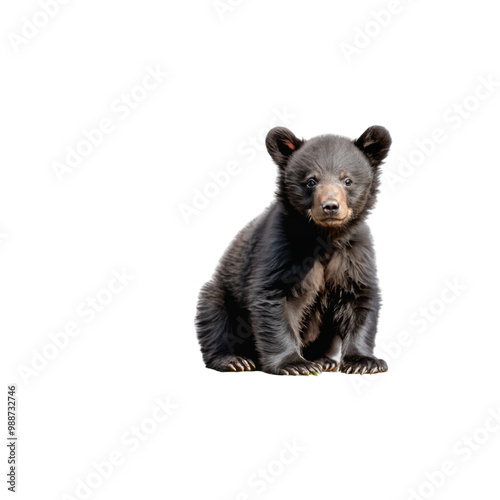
x,y
374,143
281,143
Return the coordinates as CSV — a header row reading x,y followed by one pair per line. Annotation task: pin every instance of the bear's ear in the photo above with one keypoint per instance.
x,y
375,143
281,143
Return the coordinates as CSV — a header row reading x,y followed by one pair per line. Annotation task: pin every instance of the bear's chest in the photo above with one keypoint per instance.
x,y
309,297
338,271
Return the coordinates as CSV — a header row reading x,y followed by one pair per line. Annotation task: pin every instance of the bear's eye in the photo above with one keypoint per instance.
x,y
311,183
347,182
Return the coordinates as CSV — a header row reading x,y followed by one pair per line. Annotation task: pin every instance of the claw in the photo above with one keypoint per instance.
x,y
232,367
348,370
245,362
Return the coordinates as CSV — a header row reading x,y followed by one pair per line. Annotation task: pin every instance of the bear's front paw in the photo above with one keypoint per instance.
x,y
302,367
362,365
327,364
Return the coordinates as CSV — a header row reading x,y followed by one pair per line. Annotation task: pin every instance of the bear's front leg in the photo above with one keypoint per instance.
x,y
358,328
278,346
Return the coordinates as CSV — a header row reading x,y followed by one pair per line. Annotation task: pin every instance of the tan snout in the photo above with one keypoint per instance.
x,y
330,205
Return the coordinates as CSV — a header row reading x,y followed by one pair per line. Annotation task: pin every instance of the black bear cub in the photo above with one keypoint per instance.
x,y
300,281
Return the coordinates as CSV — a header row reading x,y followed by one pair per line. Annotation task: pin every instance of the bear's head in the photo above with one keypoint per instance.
x,y
330,180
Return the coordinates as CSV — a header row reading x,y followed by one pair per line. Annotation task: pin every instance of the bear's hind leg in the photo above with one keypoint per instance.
x,y
220,347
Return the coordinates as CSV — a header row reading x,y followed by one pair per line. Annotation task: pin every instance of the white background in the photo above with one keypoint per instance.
x,y
120,208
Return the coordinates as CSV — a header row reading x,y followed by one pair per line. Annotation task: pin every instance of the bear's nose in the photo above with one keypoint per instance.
x,y
330,207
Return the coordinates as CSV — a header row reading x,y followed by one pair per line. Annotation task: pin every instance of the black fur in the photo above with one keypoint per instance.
x,y
296,282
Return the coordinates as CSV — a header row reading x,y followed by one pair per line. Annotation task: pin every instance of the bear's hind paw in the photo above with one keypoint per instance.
x,y
231,363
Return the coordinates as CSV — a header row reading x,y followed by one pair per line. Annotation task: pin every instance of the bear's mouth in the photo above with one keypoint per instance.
x,y
335,220
332,221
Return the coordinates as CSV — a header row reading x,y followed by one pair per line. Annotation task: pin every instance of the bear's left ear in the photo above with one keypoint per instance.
x,y
374,143
281,143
